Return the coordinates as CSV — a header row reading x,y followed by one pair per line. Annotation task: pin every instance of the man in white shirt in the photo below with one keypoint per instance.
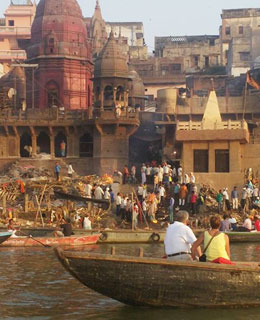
x,y
88,190
179,239
98,193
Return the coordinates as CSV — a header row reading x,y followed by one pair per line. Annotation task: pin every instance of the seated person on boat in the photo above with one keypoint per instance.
x,y
219,245
11,228
179,239
66,229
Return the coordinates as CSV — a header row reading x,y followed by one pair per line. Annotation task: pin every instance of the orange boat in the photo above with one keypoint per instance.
x,y
51,242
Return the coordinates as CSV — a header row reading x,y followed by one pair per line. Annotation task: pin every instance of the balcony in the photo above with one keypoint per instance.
x,y
12,55
19,32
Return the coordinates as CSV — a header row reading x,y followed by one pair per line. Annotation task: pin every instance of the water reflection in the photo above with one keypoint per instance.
x,y
35,286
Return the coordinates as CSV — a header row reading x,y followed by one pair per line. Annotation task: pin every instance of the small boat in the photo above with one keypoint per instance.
x,y
53,242
4,236
252,236
155,282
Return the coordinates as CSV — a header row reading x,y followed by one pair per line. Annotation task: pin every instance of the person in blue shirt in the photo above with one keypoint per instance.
x,y
57,171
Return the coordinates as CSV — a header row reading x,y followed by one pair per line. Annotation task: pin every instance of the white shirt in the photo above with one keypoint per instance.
x,y
162,191
186,179
70,169
86,224
140,190
180,171
192,178
248,224
88,189
225,194
118,200
178,238
166,169
98,193
107,195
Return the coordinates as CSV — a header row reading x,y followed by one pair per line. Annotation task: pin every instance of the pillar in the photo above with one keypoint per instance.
x,y
102,100
52,146
34,145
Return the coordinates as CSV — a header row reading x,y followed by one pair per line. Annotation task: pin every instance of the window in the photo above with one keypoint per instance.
x,y
10,23
240,29
244,56
222,160
228,31
176,67
201,161
196,61
86,146
206,62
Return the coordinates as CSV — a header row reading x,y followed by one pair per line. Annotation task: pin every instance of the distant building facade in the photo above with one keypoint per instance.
x,y
198,52
240,34
15,30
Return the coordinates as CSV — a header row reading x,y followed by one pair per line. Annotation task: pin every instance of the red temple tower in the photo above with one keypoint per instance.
x,y
60,47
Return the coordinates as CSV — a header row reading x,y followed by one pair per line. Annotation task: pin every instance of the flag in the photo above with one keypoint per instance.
x,y
251,81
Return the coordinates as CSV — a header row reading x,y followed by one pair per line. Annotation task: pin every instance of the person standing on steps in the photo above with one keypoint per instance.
x,y
57,171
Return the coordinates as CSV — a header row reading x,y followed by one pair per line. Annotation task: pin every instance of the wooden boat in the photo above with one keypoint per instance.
x,y
244,236
4,236
53,242
163,283
127,236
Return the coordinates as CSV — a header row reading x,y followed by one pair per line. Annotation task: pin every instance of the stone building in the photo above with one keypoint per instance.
x,y
240,35
198,52
160,73
60,48
129,34
215,150
15,32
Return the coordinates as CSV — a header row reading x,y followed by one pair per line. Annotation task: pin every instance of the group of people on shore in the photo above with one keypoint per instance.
x,y
248,199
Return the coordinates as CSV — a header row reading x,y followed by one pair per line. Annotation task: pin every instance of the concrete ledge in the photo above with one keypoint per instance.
x,y
241,135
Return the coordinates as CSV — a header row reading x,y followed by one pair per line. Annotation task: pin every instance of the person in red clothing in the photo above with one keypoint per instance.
x,y
257,223
193,201
125,174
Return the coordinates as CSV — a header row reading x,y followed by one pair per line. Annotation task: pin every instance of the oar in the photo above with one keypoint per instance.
x,y
31,237
45,245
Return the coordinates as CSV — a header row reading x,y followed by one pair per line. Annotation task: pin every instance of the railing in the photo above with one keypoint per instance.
x,y
110,115
7,30
231,125
44,115
13,54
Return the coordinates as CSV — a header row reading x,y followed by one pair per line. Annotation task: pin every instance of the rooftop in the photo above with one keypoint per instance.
x,y
238,13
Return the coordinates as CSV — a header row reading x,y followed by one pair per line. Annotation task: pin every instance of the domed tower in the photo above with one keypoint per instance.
x,y
111,76
60,47
115,120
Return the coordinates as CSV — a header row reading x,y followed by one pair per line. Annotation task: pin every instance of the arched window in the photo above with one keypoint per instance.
x,y
120,93
25,145
43,142
52,90
86,146
108,93
60,145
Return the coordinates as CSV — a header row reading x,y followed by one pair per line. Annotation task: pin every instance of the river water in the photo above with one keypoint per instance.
x,y
33,285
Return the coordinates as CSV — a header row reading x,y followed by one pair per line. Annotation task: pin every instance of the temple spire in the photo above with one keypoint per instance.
x,y
97,4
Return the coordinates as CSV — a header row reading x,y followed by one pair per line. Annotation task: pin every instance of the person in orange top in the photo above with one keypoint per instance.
x,y
183,194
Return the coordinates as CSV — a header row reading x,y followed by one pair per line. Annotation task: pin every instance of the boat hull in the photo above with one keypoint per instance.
x,y
164,283
4,236
53,242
